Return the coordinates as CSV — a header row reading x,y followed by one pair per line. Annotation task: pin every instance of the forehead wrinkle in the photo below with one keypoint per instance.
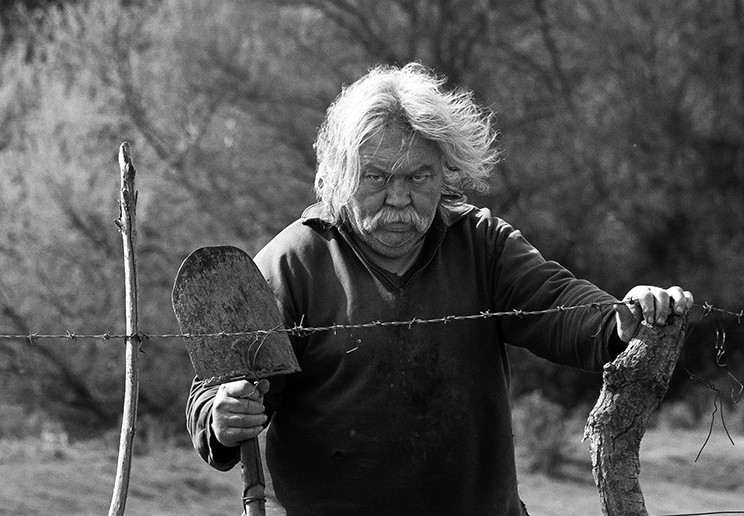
x,y
407,141
397,157
366,155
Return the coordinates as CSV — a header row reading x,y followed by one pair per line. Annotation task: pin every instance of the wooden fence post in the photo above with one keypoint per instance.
x,y
633,386
126,223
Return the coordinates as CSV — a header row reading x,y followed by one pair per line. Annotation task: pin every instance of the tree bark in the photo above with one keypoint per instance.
x,y
634,385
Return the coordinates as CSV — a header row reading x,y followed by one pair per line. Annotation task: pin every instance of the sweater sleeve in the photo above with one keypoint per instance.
x,y
199,425
524,280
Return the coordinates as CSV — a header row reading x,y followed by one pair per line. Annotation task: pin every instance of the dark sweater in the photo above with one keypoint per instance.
x,y
409,420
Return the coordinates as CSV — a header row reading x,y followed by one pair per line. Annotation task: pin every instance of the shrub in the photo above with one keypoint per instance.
x,y
14,421
540,433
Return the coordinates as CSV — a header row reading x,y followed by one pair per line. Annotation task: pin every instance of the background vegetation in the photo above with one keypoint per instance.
x,y
622,124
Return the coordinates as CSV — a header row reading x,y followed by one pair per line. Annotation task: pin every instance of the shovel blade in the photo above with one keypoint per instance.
x,y
220,290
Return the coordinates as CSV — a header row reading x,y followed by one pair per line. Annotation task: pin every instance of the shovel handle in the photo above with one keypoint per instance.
x,y
254,500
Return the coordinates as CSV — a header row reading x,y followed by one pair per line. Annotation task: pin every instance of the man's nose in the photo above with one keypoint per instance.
x,y
398,192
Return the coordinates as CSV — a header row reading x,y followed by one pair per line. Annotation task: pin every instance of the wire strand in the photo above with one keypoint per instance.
x,y
300,330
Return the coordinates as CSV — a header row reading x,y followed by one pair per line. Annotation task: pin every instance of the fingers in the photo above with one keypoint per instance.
x,y
652,304
238,413
682,300
655,305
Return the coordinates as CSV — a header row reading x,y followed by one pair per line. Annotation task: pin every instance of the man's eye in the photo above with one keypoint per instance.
x,y
374,178
420,178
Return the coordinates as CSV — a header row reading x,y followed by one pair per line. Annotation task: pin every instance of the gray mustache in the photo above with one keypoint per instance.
x,y
392,216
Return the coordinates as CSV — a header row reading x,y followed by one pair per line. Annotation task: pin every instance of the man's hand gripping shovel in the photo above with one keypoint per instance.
x,y
220,291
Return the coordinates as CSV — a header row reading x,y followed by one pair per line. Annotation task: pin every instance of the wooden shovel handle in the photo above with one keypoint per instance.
x,y
254,500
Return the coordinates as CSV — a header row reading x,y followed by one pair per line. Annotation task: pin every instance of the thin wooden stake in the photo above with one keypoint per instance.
x,y
126,223
634,385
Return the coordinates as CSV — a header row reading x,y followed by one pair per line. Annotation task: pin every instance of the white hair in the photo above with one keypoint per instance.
x,y
413,97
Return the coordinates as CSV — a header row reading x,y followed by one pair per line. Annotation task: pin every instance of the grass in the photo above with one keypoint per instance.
x,y
41,477
78,479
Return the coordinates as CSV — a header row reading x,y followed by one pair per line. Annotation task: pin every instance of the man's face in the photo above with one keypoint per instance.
x,y
399,190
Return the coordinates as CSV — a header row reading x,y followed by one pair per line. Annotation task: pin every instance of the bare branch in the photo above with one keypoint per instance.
x,y
355,22
552,48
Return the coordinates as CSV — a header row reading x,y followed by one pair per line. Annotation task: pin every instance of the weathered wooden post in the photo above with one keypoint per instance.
x,y
634,385
126,223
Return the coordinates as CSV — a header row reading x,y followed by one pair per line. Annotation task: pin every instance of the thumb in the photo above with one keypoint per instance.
x,y
628,315
262,386
252,391
258,390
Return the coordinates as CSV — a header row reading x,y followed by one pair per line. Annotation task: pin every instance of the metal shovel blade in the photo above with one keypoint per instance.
x,y
219,290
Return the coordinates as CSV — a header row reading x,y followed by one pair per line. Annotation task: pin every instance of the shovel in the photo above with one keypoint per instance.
x,y
220,291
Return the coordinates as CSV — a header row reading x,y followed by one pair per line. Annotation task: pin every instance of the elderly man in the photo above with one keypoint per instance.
x,y
407,419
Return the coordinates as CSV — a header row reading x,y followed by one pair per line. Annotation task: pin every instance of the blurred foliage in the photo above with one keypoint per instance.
x,y
622,124
541,433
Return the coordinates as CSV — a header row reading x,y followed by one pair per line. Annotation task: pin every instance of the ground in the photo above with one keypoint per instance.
x,y
46,477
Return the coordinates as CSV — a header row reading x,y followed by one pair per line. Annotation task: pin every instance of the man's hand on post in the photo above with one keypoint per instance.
x,y
652,304
238,413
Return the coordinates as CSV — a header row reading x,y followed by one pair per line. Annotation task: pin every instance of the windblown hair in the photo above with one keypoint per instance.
x,y
414,97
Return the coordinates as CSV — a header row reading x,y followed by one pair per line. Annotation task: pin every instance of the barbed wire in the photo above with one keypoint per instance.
x,y
300,331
